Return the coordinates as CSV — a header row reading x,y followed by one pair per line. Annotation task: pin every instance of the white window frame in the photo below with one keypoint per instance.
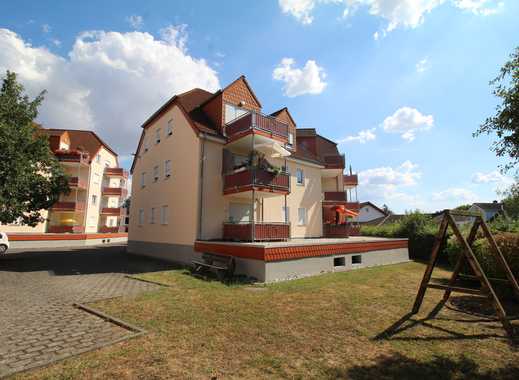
x,y
236,112
98,158
152,215
156,171
290,139
157,136
141,216
143,180
164,210
304,215
302,182
169,128
167,169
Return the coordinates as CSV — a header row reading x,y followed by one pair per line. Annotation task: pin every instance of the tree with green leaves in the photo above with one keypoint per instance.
x,y
505,123
31,178
511,201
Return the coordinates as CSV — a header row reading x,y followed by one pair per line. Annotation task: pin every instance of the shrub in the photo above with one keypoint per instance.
x,y
507,242
420,229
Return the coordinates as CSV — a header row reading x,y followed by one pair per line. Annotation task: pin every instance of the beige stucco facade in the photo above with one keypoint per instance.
x,y
179,192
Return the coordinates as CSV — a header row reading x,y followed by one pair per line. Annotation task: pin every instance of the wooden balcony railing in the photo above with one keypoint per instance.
x,y
260,179
113,211
72,156
254,121
114,191
68,206
65,229
351,180
116,172
335,196
263,231
354,206
75,182
334,162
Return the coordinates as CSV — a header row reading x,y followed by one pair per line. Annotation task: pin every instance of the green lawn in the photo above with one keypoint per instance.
x,y
325,327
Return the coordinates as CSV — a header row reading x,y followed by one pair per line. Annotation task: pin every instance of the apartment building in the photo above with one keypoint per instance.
x,y
213,173
97,183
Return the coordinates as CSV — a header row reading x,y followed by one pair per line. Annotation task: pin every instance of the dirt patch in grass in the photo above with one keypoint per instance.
x,y
332,326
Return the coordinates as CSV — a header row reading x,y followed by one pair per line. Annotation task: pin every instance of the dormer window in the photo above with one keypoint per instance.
x,y
290,140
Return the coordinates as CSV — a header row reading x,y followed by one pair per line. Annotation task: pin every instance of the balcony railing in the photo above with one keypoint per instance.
x,y
113,211
257,122
116,172
72,156
334,162
335,196
65,229
68,206
108,230
354,206
75,182
351,180
258,178
263,231
114,191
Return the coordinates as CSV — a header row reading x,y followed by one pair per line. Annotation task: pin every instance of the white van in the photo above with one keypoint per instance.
x,y
4,243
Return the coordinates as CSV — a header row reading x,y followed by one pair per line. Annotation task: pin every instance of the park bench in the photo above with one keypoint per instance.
x,y
224,266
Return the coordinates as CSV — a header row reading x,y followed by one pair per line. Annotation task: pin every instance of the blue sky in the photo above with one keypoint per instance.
x,y
411,76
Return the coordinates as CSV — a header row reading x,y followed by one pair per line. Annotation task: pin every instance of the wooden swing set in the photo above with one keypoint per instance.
x,y
467,257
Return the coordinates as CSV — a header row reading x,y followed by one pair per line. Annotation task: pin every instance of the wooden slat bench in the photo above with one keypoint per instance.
x,y
224,266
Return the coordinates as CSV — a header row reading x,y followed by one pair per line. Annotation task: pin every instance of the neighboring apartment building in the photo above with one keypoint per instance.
x,y
98,186
212,166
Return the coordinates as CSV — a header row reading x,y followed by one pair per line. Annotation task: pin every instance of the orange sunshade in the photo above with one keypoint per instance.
x,y
351,213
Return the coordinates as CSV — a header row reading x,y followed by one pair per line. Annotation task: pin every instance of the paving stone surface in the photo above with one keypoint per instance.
x,y
38,322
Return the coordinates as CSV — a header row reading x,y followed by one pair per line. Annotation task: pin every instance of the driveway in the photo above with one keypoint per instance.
x,y
39,323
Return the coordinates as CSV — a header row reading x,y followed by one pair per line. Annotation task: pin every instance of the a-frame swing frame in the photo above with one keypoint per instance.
x,y
467,256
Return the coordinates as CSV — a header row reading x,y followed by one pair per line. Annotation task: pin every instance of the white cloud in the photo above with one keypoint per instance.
x,y
45,28
501,182
423,65
391,185
135,21
407,121
455,196
361,137
55,42
110,82
407,14
307,80
480,7
300,9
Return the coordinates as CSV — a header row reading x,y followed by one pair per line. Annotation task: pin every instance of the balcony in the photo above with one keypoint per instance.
x,y
65,229
68,207
77,183
116,172
72,156
108,230
114,191
351,180
334,196
258,179
111,211
354,206
334,162
257,123
262,231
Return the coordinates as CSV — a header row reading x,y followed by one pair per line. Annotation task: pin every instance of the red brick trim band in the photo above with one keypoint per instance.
x,y
296,252
41,237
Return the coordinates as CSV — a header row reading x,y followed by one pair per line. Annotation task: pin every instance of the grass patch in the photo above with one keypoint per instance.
x,y
328,327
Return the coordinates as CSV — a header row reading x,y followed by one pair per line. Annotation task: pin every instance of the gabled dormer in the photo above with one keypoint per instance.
x,y
284,116
231,102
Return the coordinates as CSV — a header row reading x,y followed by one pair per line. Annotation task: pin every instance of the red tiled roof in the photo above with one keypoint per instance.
x,y
83,140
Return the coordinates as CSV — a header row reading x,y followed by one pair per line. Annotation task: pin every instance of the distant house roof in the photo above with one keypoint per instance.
x,y
492,206
362,204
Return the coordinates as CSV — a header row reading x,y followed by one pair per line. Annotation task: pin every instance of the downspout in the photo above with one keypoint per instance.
x,y
201,198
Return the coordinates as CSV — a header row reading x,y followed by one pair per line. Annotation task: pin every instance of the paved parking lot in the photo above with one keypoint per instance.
x,y
38,321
